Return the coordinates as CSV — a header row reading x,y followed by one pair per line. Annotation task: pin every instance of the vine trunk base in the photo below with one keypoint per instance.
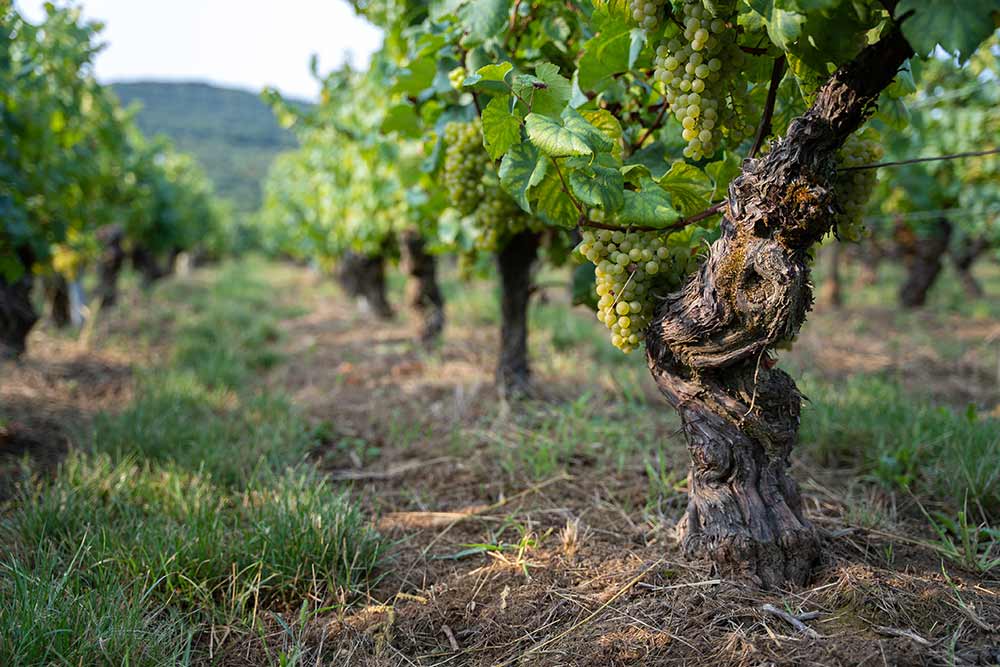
x,y
515,262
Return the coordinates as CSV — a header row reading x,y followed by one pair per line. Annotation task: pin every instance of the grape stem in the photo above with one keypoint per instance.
x,y
656,124
764,129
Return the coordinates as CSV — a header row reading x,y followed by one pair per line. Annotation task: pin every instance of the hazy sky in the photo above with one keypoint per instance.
x,y
233,42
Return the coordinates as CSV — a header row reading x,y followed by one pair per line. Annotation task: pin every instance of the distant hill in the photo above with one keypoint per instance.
x,y
232,132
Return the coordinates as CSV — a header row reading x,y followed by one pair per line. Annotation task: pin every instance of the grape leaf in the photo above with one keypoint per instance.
x,y
554,139
553,205
501,128
598,185
415,77
650,207
555,93
783,26
595,138
483,19
959,26
402,118
520,171
688,186
605,121
605,54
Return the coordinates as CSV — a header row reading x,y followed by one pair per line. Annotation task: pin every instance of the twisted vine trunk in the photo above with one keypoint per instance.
x,y
423,292
17,313
708,347
923,258
963,258
515,262
110,264
363,278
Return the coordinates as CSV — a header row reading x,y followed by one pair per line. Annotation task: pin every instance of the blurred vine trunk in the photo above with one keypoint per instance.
x,y
832,294
423,292
708,348
923,257
869,256
971,248
363,278
57,295
147,264
110,263
17,313
515,262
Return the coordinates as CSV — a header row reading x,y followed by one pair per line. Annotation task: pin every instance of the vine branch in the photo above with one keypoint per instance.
x,y
764,129
672,227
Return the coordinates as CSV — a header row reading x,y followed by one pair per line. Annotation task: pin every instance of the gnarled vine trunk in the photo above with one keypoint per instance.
x,y
17,313
363,278
971,248
923,257
110,264
708,346
515,262
423,293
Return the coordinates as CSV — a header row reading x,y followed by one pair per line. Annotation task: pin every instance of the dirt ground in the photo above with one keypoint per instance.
x,y
491,566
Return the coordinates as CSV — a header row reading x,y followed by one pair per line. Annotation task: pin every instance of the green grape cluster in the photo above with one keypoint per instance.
x,y
855,188
496,219
456,77
631,268
646,13
696,76
465,163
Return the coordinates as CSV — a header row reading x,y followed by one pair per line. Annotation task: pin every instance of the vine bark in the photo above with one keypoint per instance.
x,y
17,313
923,257
363,278
423,292
515,262
708,347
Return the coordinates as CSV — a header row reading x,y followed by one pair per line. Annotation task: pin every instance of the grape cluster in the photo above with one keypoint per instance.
x,y
631,267
855,188
696,75
465,163
456,77
497,218
646,13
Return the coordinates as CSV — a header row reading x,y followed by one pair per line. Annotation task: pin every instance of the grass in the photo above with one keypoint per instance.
x,y
904,442
194,505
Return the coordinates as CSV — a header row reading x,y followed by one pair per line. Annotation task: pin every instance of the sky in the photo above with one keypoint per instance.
x,y
228,42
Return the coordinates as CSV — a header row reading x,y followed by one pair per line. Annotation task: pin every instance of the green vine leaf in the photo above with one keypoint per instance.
x,y
501,128
553,139
959,26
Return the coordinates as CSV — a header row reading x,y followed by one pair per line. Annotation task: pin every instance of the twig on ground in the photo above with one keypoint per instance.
x,y
791,620
906,634
451,637
389,473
